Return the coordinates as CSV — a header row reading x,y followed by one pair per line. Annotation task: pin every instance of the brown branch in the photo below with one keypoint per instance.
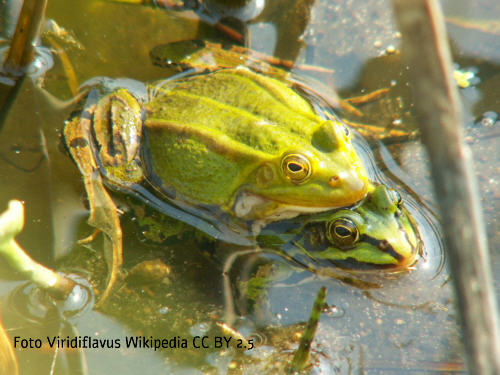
x,y
21,50
438,109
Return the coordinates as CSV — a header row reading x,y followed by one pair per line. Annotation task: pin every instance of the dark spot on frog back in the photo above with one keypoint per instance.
x,y
79,142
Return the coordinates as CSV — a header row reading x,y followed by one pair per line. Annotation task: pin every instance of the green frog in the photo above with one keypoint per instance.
x,y
346,244
234,139
378,233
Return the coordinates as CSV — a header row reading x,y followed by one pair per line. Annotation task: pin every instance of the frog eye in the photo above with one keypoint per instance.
x,y
296,168
342,232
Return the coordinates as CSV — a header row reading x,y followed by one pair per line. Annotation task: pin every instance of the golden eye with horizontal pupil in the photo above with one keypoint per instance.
x,y
296,168
342,232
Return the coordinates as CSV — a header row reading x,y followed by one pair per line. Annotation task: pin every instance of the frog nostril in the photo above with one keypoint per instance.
x,y
334,181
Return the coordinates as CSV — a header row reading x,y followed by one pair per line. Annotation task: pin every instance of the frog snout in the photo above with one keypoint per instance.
x,y
346,180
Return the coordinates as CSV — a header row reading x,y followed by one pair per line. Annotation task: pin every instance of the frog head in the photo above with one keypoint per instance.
x,y
323,173
379,233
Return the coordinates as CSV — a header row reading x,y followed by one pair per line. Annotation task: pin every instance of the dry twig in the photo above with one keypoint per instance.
x,y
438,108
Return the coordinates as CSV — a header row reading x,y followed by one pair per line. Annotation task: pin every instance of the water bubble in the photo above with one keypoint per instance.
x,y
489,119
16,149
334,311
199,329
163,310
390,49
79,301
397,122
36,305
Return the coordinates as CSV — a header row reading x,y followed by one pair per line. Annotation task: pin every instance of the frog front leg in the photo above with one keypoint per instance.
x,y
94,155
116,130
103,214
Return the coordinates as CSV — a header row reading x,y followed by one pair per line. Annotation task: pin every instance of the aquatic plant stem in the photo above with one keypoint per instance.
x,y
21,50
21,53
11,224
301,358
426,51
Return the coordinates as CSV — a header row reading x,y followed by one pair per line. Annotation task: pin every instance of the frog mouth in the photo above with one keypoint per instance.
x,y
252,206
382,245
385,247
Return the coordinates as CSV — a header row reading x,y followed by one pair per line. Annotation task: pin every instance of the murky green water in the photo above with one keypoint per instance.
x,y
408,324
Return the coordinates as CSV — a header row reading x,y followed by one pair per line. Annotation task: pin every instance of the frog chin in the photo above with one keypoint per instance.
x,y
255,207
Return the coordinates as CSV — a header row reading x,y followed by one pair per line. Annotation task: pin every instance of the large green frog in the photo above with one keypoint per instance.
x,y
233,139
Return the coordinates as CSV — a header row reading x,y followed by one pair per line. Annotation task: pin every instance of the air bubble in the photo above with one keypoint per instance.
x,y
390,49
163,310
199,329
489,119
334,311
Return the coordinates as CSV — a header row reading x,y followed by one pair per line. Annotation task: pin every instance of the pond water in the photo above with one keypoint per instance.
x,y
375,323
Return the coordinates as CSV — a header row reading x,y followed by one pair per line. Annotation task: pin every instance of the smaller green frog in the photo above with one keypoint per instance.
x,y
378,233
350,245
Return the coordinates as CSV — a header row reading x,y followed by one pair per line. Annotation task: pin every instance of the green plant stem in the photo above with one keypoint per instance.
x,y
301,358
11,224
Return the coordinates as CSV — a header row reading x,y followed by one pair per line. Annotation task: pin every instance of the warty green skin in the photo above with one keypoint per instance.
x,y
387,236
220,139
